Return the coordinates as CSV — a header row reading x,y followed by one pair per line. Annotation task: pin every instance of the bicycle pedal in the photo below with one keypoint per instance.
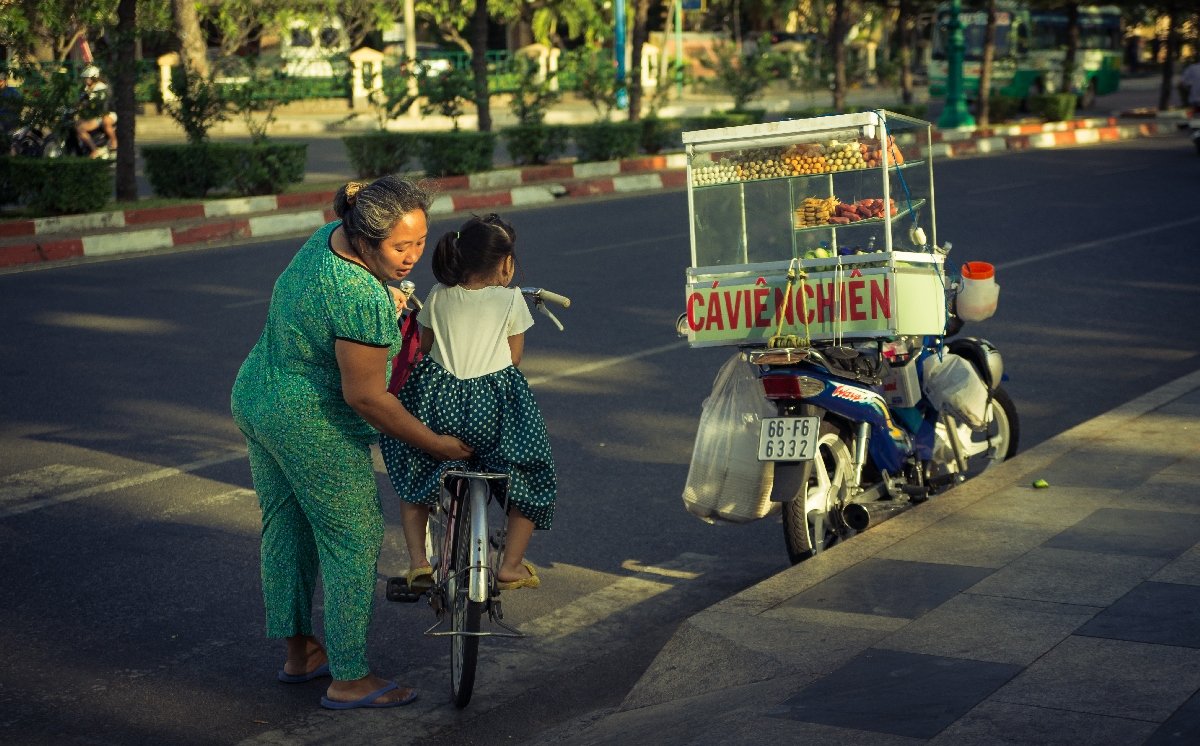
x,y
398,591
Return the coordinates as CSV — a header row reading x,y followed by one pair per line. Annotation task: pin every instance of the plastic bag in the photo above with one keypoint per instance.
x,y
953,385
726,481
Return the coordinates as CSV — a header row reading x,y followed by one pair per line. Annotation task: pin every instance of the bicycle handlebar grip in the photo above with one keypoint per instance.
x,y
561,300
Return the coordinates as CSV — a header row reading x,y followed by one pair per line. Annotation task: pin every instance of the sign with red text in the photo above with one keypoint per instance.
x,y
853,302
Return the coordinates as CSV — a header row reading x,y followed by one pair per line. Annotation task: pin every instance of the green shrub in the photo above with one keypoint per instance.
x,y
530,144
62,185
1053,107
265,167
717,119
188,170
8,188
1002,108
195,169
606,141
659,134
457,153
375,154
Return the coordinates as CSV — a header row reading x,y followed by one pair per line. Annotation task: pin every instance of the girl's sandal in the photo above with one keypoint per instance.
x,y
533,581
420,579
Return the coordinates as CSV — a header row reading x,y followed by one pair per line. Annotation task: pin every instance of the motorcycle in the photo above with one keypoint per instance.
x,y
60,140
867,430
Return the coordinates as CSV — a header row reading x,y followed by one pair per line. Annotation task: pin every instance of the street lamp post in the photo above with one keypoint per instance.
x,y
955,112
619,49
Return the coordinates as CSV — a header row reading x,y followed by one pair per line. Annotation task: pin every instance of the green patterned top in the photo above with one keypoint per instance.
x,y
292,369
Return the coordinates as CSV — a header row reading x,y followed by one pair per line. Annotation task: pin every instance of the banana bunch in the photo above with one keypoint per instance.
x,y
815,211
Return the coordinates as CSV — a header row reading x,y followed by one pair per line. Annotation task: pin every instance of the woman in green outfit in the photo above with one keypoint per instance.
x,y
310,399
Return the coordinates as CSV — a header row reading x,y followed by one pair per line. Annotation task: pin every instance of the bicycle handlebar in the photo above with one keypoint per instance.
x,y
541,294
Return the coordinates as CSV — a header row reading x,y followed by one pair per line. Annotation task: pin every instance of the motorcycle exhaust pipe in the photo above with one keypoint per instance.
x,y
861,516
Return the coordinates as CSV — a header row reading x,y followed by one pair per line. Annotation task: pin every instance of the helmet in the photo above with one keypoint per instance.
x,y
91,71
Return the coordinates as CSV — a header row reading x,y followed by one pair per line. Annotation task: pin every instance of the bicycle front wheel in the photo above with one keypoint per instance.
x,y
465,614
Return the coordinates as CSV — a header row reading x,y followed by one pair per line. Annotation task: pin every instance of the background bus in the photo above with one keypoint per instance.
x,y
1030,46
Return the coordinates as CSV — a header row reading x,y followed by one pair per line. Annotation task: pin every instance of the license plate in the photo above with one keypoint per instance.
x,y
788,438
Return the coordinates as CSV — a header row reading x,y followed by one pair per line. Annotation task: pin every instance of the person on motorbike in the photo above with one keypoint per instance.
x,y
95,112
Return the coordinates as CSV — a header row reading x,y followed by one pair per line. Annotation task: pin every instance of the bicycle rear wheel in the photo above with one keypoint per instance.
x,y
465,614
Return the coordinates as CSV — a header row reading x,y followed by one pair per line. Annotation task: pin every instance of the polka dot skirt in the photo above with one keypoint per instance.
x,y
495,414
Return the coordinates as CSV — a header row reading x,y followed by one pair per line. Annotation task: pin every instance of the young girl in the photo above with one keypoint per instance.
x,y
468,385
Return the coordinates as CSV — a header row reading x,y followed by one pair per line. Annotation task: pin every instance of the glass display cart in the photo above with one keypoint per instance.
x,y
813,229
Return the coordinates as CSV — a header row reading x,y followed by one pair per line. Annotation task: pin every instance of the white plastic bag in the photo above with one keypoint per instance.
x,y
726,481
953,385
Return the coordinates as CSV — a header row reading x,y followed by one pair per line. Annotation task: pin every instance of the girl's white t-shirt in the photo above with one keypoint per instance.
x,y
471,327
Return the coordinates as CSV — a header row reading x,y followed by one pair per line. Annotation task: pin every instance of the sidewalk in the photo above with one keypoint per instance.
x,y
996,613
25,242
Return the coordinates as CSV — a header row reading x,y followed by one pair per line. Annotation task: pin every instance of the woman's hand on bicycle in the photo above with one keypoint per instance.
x,y
450,448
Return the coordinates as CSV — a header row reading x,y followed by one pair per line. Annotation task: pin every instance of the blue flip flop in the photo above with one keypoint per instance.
x,y
369,700
300,678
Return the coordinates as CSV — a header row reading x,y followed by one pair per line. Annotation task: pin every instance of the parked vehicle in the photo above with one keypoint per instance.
x,y
867,430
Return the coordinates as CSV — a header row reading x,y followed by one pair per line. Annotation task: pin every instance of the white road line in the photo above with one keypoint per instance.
x,y
244,303
1099,242
606,363
26,484
120,484
626,244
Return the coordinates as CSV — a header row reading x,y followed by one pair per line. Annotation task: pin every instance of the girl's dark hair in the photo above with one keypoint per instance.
x,y
369,210
473,250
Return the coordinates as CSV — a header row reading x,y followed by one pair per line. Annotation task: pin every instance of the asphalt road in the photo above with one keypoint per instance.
x,y
129,606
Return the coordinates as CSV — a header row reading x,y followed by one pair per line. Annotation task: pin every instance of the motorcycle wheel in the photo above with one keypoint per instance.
x,y
52,148
811,519
996,442
28,146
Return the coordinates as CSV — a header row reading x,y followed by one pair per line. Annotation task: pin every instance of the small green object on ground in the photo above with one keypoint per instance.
x,y
1041,484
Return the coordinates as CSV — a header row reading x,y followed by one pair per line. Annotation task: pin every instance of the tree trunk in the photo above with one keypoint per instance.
x,y
985,69
641,17
837,44
905,24
479,37
125,102
1169,54
193,47
1068,71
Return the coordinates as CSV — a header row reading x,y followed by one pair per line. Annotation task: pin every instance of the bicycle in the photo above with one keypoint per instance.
x,y
464,551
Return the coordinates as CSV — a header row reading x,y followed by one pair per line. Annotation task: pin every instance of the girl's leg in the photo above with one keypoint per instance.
x,y
516,542
415,518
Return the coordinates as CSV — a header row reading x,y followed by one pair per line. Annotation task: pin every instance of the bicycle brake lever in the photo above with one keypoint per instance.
x,y
542,307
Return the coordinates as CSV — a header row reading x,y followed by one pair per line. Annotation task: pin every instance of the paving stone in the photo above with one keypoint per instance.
x,y
1183,727
1108,677
1146,533
892,588
1183,569
997,723
1069,577
972,541
1104,468
988,628
905,694
1059,505
1161,613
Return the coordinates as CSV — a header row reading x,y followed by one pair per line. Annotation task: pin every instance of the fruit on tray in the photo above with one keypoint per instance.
x,y
815,211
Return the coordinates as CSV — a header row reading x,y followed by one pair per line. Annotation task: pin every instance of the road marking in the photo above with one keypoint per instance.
x,y
99,489
626,244
590,627
605,363
1099,242
26,484
244,303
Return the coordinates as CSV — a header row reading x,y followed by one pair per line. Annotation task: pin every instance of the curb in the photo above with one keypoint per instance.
x,y
240,218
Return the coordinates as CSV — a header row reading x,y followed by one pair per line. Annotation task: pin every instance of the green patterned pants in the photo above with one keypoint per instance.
x,y
320,508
